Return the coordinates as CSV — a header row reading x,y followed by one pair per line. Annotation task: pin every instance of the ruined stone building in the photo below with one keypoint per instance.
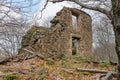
x,y
65,36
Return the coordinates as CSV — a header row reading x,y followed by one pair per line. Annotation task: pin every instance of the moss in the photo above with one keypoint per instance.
x,y
85,73
36,46
83,59
10,77
50,63
62,57
54,21
105,63
74,51
20,51
27,37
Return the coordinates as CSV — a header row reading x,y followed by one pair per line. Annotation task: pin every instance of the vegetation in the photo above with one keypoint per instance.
x,y
74,51
50,63
10,77
105,63
62,57
64,68
85,73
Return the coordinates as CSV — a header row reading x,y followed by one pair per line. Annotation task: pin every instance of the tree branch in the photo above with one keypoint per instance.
x,y
107,13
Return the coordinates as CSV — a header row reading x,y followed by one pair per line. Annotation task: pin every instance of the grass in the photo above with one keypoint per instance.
x,y
105,63
85,73
10,77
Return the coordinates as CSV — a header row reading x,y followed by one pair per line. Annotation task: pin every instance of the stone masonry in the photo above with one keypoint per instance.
x,y
62,36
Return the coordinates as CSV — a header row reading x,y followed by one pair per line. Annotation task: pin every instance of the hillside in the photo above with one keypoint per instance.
x,y
63,69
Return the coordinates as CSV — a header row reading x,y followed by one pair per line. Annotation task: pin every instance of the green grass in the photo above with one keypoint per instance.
x,y
10,77
105,63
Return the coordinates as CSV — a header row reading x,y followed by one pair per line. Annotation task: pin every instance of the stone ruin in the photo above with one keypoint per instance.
x,y
62,37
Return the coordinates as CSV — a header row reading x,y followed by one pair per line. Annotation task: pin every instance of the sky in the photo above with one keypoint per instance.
x,y
50,11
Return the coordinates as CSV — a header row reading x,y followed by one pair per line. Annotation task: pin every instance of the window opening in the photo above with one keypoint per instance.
x,y
74,22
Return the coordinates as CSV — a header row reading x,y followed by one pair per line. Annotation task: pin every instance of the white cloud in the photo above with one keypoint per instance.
x,y
7,14
51,10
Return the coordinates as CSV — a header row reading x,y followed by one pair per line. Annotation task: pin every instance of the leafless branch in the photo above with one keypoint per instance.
x,y
96,8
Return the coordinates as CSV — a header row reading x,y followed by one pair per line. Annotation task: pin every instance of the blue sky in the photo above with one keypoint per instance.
x,y
29,6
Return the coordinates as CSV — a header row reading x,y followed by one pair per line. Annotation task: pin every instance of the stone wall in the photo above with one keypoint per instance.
x,y
58,38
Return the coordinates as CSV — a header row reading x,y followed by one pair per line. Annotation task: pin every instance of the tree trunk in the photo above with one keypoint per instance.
x,y
116,26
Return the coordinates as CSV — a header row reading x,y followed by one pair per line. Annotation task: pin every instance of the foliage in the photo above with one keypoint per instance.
x,y
105,63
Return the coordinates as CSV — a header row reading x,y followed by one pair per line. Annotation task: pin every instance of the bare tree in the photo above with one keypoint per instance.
x,y
10,39
104,39
14,16
112,12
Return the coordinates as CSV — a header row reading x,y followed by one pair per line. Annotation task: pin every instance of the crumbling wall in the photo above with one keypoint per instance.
x,y
58,38
84,32
84,23
52,40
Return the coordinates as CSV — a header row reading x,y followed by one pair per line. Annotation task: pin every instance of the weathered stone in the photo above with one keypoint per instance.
x,y
59,37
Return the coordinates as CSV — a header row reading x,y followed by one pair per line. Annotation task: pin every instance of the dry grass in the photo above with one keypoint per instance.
x,y
31,69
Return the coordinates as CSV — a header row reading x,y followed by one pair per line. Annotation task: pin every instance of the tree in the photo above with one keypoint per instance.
x,y
103,39
113,14
14,16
